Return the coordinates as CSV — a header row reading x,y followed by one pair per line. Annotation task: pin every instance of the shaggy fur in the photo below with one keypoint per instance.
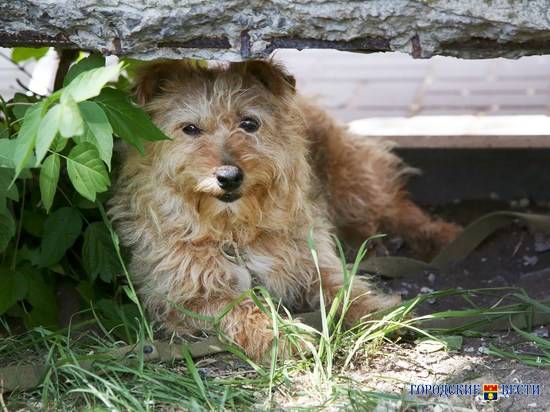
x,y
302,172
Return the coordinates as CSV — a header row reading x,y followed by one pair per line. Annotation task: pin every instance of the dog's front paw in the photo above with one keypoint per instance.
x,y
253,331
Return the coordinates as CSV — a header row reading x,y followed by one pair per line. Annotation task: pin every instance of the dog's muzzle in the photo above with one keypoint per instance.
x,y
230,179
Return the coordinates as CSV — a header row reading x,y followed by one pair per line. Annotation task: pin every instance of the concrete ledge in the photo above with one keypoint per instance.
x,y
242,29
479,132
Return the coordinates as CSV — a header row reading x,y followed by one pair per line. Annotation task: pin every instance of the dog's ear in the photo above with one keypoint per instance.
x,y
272,75
151,78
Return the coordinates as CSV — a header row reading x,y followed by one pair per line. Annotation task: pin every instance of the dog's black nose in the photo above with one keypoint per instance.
x,y
229,177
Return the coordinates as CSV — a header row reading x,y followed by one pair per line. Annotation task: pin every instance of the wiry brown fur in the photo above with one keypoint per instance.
x,y
302,171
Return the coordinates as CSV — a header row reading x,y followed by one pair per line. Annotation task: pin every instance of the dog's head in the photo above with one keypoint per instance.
x,y
236,140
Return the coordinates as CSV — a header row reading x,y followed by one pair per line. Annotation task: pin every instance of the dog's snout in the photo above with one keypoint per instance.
x,y
229,177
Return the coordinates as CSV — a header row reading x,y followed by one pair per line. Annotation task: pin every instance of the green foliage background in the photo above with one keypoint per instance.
x,y
56,156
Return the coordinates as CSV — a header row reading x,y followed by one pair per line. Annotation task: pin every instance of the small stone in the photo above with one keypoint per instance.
x,y
499,280
542,332
396,244
542,243
483,349
426,290
431,278
530,260
402,364
524,202
423,373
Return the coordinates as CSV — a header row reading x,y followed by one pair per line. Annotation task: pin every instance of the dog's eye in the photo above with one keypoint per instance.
x,y
249,124
192,130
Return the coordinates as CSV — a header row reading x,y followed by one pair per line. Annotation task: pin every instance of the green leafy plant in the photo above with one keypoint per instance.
x,y
55,163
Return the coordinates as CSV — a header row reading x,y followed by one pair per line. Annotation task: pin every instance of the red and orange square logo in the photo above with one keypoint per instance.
x,y
490,391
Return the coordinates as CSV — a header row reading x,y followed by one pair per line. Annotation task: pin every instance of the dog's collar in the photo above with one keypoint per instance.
x,y
232,252
238,256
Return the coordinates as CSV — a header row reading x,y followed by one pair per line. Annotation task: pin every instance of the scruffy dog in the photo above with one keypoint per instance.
x,y
228,202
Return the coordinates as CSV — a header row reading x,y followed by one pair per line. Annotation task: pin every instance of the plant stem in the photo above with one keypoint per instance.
x,y
135,297
19,227
66,57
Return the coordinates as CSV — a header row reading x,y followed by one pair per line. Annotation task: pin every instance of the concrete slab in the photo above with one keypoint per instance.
x,y
527,131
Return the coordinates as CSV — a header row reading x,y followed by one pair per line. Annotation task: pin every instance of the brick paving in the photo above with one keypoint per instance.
x,y
354,86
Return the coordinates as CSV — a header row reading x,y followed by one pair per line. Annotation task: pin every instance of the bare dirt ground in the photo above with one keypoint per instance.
x,y
512,257
396,366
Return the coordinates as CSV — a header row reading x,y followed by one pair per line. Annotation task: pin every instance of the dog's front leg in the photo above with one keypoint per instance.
x,y
244,323
192,288
250,328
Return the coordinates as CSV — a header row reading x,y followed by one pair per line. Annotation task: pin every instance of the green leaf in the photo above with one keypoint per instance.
x,y
59,143
21,54
89,84
29,255
49,126
97,130
7,152
86,290
13,288
129,121
86,171
33,222
131,294
61,230
49,176
93,61
4,132
82,203
19,110
131,66
121,320
11,192
41,295
7,228
26,138
98,253
71,121
429,345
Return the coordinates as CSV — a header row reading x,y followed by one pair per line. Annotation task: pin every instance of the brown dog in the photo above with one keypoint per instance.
x,y
228,203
